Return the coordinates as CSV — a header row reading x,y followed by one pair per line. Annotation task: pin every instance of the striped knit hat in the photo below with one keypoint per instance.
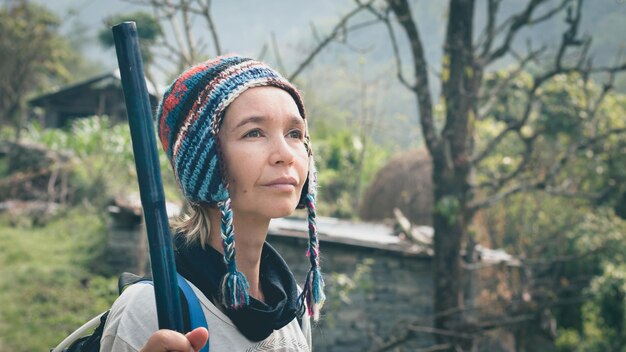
x,y
189,118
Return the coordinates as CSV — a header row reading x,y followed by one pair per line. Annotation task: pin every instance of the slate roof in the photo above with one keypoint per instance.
x,y
377,235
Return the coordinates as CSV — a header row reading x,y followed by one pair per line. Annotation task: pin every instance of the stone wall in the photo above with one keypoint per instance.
x,y
372,294
127,242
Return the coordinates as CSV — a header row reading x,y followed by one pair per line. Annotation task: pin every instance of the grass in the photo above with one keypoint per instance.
x,y
47,289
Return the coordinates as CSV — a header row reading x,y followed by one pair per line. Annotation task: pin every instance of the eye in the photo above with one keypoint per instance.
x,y
296,133
255,133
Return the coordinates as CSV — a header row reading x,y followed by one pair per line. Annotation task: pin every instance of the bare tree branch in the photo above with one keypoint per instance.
x,y
499,89
402,12
430,330
549,14
497,183
515,23
394,45
187,46
512,125
172,54
570,36
188,33
170,15
503,321
208,16
277,55
337,30
569,39
489,33
546,182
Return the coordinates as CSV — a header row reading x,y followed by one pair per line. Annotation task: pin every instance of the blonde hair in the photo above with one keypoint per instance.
x,y
194,224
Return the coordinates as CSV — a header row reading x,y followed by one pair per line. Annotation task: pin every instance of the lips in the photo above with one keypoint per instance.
x,y
286,184
282,181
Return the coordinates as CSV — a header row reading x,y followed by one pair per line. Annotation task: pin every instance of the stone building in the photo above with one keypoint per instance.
x,y
377,282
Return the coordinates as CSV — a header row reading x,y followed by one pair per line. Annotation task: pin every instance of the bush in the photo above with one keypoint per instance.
x,y
104,164
603,315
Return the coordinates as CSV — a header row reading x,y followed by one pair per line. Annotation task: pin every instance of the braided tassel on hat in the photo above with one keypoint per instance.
x,y
313,291
234,286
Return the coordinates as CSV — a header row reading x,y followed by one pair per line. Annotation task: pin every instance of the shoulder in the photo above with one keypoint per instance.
x,y
133,318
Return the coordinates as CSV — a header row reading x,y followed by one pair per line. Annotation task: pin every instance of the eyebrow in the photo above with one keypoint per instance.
x,y
258,119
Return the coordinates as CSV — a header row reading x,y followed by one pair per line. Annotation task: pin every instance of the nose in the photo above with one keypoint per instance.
x,y
282,152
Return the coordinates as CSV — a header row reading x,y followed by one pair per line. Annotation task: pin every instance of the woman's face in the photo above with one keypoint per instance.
x,y
262,141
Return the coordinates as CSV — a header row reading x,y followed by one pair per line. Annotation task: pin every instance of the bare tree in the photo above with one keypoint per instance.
x,y
453,147
188,48
178,16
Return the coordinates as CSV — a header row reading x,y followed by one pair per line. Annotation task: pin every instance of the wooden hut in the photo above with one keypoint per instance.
x,y
100,95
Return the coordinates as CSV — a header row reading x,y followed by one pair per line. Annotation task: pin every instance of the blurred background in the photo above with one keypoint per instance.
x,y
471,158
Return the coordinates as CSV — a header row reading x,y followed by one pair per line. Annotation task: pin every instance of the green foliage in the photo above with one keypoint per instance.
x,y
46,292
567,246
104,164
148,30
609,292
343,289
343,167
344,284
604,315
542,228
449,208
565,128
33,55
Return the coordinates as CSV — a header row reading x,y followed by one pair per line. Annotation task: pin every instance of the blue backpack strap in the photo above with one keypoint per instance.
x,y
196,315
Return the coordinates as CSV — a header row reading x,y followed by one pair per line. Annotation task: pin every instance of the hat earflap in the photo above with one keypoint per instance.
x,y
234,285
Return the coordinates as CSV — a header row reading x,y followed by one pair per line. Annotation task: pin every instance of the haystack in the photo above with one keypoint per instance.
x,y
404,183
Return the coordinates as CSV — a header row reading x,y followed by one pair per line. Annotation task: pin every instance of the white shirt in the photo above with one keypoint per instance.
x,y
133,320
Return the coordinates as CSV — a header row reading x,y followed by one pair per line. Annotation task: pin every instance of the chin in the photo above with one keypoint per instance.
x,y
281,213
281,209
269,207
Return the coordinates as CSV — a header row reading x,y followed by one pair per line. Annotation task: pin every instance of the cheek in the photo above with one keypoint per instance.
x,y
245,170
303,167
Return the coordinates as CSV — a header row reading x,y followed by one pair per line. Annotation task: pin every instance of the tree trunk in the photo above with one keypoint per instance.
x,y
450,152
450,229
451,167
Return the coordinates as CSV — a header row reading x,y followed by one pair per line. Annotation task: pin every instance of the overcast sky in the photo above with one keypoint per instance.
x,y
243,25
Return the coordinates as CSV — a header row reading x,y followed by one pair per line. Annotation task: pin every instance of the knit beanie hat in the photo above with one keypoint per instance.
x,y
189,118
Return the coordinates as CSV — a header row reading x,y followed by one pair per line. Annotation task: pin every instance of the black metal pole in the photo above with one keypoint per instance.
x,y
148,175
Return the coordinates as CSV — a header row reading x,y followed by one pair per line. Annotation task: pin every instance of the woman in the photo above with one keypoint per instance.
x,y
235,133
